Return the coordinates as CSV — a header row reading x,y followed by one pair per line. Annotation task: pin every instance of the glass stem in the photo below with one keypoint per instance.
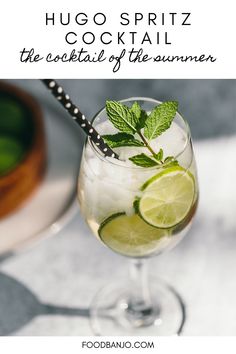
x,y
140,302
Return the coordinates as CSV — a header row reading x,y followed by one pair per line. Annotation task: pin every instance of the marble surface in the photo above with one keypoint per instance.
x,y
66,270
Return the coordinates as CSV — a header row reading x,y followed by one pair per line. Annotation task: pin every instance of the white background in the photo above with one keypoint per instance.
x,y
22,24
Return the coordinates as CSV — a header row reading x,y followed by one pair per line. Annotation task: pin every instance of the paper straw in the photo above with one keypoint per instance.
x,y
78,117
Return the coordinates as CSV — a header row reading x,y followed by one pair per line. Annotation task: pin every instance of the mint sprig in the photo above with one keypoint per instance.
x,y
134,122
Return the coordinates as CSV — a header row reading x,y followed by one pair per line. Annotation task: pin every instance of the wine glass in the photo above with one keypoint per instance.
x,y
121,203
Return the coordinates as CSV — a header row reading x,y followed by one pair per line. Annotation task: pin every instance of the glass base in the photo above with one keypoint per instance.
x,y
111,313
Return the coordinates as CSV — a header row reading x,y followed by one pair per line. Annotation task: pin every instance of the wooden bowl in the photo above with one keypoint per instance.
x,y
19,183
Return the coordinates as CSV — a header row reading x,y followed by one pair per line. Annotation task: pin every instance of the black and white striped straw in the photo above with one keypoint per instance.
x,y
78,117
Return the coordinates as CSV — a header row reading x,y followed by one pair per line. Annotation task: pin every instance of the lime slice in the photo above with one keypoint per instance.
x,y
167,197
11,152
130,235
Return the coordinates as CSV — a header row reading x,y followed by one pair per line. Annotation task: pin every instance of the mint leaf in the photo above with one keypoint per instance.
x,y
143,160
121,117
170,161
171,164
159,155
136,205
136,109
121,139
160,119
142,120
140,114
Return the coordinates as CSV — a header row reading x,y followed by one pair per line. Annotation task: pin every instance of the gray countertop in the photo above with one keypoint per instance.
x,y
66,270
